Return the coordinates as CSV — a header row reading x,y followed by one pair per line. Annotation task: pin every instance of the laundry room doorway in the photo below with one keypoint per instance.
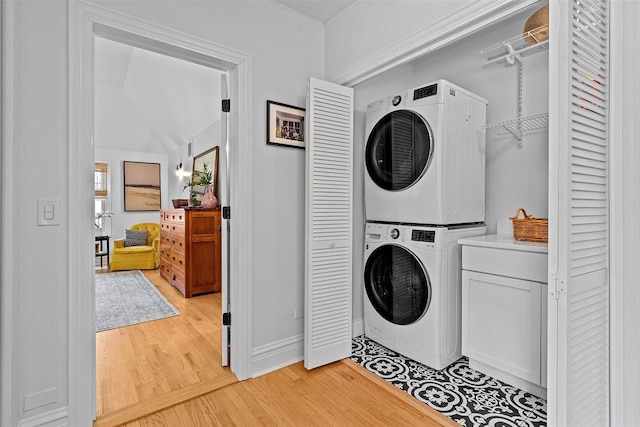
x,y
88,22
156,108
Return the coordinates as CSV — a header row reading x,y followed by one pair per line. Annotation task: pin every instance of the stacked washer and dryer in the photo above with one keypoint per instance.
x,y
424,190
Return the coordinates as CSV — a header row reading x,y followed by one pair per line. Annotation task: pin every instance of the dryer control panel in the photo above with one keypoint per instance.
x,y
400,233
423,236
426,91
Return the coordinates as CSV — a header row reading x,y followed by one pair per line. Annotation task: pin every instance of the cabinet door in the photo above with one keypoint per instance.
x,y
204,253
501,323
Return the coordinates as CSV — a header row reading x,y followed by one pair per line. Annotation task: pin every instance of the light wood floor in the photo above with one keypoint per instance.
x,y
339,394
141,362
142,368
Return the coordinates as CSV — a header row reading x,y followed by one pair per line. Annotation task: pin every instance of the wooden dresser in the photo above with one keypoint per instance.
x,y
190,257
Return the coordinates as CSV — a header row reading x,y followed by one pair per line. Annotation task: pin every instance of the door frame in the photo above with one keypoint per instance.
x,y
625,204
86,21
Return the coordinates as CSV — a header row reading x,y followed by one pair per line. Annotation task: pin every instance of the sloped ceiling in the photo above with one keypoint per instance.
x,y
319,10
149,102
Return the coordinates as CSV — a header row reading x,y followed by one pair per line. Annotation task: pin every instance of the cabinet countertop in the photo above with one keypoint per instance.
x,y
504,241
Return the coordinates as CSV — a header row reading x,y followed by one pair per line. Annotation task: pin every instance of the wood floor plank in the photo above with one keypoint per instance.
x,y
160,373
339,394
144,361
164,401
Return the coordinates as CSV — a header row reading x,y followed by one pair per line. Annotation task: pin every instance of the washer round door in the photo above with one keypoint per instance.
x,y
399,150
397,284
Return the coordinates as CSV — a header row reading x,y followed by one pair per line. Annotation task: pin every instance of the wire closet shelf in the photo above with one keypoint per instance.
x,y
510,52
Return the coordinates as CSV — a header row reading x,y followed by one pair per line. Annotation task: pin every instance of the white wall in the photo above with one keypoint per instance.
x,y
146,100
176,183
35,259
121,219
515,177
35,163
203,141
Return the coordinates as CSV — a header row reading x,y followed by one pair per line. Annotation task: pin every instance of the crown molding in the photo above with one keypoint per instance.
x,y
295,13
454,27
343,11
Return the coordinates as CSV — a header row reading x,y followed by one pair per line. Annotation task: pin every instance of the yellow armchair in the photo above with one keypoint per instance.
x,y
138,257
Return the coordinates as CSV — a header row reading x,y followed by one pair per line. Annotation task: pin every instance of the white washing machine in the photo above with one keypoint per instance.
x,y
412,290
424,156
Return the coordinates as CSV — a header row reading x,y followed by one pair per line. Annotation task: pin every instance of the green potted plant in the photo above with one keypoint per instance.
x,y
203,178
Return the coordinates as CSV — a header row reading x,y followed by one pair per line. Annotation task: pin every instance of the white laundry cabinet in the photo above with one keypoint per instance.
x,y
504,309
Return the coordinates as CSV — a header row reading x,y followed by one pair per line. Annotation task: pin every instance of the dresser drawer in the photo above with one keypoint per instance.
x,y
165,254
176,228
177,280
177,260
177,216
165,270
177,242
504,262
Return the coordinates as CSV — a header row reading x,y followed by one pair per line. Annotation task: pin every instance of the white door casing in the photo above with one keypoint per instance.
x,y
329,211
578,381
85,22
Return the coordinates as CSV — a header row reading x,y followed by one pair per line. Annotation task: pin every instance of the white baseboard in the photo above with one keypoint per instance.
x,y
277,355
357,328
54,418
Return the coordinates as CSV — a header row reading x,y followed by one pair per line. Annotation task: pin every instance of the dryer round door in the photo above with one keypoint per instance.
x,y
397,284
399,150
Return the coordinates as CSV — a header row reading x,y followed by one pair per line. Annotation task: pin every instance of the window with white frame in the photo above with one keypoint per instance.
x,y
101,180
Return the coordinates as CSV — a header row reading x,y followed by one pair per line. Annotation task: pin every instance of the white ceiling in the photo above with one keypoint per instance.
x,y
319,10
149,102
153,103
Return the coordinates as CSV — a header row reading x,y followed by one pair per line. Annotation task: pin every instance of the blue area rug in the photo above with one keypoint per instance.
x,y
125,298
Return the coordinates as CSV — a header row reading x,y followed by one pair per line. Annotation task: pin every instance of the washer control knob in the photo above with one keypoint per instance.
x,y
396,100
394,233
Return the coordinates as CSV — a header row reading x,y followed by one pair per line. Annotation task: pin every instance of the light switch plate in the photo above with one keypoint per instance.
x,y
49,211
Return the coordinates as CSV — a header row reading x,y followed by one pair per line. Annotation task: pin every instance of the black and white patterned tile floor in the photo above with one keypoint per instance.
x,y
469,397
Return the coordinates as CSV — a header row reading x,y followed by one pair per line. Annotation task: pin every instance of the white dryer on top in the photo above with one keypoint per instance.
x,y
425,158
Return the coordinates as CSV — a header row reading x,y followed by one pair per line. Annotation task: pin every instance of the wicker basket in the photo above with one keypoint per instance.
x,y
530,228
536,29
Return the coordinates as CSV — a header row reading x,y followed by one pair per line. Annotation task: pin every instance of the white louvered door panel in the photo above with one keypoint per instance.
x,y
578,390
329,188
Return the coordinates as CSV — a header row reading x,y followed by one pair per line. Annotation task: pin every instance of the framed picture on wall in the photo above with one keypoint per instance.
x,y
141,186
285,125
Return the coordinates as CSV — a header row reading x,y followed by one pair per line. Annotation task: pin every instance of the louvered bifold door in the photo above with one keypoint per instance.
x,y
578,385
329,188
